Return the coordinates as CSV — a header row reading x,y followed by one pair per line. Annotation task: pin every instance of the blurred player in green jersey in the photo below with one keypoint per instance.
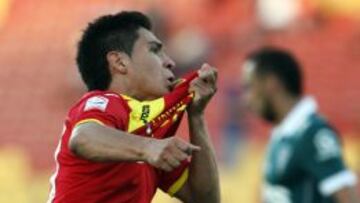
x,y
304,162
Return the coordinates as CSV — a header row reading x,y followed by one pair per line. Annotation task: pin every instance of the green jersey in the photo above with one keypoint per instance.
x,y
304,161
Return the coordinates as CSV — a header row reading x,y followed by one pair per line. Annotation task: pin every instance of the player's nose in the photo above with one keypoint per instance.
x,y
169,63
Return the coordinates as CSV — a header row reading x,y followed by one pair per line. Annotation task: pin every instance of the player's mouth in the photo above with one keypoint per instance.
x,y
171,83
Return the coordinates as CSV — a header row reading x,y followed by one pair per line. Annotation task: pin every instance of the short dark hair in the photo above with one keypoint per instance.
x,y
282,64
116,32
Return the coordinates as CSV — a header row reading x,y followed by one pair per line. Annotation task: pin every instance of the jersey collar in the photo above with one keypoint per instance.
x,y
297,117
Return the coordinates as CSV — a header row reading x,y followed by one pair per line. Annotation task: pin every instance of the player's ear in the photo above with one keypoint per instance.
x,y
118,61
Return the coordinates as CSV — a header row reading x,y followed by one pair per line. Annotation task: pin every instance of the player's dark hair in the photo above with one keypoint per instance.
x,y
282,65
116,32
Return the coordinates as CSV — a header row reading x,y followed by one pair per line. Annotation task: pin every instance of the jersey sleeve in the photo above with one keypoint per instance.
x,y
102,109
172,182
321,157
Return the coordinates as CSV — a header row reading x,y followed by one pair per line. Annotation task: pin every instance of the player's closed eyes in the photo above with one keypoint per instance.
x,y
155,50
155,47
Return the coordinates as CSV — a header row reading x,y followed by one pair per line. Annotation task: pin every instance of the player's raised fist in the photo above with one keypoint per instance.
x,y
204,87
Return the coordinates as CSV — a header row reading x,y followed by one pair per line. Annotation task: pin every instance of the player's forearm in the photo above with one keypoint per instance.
x,y
203,174
100,143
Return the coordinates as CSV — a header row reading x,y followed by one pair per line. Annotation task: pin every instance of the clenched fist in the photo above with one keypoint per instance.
x,y
204,87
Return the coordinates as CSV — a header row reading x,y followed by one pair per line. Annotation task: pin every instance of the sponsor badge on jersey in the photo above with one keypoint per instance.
x,y
97,102
326,145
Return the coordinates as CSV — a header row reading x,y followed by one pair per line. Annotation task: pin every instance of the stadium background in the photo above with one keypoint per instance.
x,y
39,80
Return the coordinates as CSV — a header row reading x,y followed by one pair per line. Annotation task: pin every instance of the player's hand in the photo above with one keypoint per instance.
x,y
204,87
167,154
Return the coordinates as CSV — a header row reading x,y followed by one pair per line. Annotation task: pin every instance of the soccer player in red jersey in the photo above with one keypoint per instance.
x,y
100,158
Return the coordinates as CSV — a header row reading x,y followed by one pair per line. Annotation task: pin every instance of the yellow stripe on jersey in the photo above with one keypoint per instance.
x,y
88,120
179,183
143,112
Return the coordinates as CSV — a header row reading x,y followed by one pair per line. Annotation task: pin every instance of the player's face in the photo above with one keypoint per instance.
x,y
151,67
257,99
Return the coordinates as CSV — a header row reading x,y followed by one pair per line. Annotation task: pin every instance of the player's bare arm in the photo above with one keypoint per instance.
x,y
347,195
203,182
116,145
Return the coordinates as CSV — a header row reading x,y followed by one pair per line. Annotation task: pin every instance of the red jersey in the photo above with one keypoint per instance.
x,y
79,180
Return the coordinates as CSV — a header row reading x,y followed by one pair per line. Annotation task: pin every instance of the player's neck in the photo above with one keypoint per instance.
x,y
284,107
